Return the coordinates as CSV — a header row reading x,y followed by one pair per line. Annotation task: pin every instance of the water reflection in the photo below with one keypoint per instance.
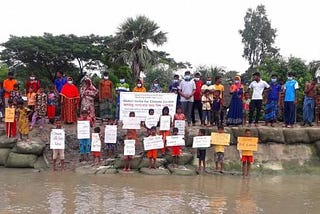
x,y
244,202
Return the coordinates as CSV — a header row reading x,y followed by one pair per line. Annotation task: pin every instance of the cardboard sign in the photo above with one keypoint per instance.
x,y
151,120
9,115
57,139
201,142
175,140
165,123
83,129
95,142
247,143
129,147
153,142
181,125
110,134
222,139
131,123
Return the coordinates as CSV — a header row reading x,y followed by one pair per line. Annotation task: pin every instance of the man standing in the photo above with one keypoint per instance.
x,y
8,86
290,99
122,86
186,91
197,104
105,97
257,86
310,92
173,88
60,81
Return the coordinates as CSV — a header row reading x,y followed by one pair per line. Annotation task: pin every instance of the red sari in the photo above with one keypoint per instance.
x,y
69,103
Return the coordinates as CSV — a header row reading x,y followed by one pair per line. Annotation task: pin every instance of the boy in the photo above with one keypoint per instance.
x,y
57,152
51,107
175,150
111,147
85,144
246,104
97,155
153,153
131,135
290,100
216,107
201,153
219,152
246,157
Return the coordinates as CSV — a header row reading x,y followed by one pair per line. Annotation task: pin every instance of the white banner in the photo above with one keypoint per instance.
x,y
129,147
110,134
153,142
131,123
181,125
140,103
57,139
175,140
83,129
165,123
201,142
151,120
95,143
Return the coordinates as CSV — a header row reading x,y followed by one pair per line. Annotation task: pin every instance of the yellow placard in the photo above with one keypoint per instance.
x,y
222,139
9,115
247,143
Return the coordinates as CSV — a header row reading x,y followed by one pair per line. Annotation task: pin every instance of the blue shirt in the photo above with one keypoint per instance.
x,y
59,83
275,89
290,90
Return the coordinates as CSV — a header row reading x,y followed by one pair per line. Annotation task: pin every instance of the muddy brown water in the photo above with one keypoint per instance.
x,y
26,191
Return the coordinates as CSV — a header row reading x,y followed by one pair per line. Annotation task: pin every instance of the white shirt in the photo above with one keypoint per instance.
x,y
187,87
258,88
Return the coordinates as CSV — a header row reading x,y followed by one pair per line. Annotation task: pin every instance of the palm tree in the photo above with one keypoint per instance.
x,y
132,38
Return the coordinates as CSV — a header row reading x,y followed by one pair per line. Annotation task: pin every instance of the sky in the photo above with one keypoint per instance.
x,y
202,32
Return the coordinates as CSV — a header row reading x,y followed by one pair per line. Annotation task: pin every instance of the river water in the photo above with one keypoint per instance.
x,y
26,191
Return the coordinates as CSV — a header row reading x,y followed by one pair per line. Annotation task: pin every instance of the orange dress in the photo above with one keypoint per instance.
x,y
69,103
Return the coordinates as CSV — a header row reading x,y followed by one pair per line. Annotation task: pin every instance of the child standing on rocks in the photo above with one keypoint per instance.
x,y
85,144
11,127
131,135
111,147
246,157
23,121
165,133
175,150
51,108
219,152
153,153
40,109
246,106
201,153
97,155
57,152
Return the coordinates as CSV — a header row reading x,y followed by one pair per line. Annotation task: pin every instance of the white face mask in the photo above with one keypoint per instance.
x,y
70,82
106,77
290,78
122,80
156,85
274,80
32,78
236,81
196,79
175,80
139,85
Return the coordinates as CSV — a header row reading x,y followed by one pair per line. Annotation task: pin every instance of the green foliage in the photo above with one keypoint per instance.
x,y
257,36
164,74
3,71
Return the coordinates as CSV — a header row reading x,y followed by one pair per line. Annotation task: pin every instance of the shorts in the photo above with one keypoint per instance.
x,y
219,157
57,152
153,153
175,151
201,155
247,159
127,157
96,154
85,146
111,146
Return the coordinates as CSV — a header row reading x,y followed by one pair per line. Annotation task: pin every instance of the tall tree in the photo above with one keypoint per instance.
x,y
132,40
258,36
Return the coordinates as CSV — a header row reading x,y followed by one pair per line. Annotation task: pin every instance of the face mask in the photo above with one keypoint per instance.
x,y
187,77
196,79
274,80
105,77
290,78
156,85
236,81
175,80
122,80
70,82
32,78
208,82
139,85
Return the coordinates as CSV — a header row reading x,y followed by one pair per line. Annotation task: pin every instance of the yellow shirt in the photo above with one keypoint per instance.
x,y
219,148
220,88
247,153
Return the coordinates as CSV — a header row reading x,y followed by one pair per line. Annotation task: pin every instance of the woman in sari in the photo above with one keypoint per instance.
x,y
69,102
235,113
87,93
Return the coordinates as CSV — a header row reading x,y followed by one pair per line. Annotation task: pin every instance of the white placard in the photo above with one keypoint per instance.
x,y
140,103
129,147
131,123
175,140
95,142
57,139
110,134
153,142
151,120
83,129
201,142
165,122
181,125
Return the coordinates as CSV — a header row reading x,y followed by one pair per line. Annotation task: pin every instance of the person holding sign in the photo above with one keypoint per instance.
x,y
179,116
23,121
246,157
175,150
96,155
85,144
10,120
152,154
131,135
219,152
164,126
201,153
111,146
151,120
56,152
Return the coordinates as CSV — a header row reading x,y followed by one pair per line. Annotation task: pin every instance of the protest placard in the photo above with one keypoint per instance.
x,y
57,139
247,143
153,142
175,140
95,142
110,134
129,147
165,123
9,115
151,120
201,142
83,129
131,123
222,139
181,125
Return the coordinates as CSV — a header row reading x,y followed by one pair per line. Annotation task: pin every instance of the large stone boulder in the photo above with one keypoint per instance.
x,y
317,145
87,169
314,134
296,136
103,170
240,131
4,153
7,142
157,171
135,162
184,159
31,147
16,160
267,134
41,163
161,162
182,170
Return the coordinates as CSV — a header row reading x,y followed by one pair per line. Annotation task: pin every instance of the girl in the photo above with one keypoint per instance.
x,y
40,108
31,99
11,127
246,105
235,114
131,135
51,108
165,133
23,122
15,94
206,107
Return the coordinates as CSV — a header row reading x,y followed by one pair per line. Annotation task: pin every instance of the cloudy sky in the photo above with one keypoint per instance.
x,y
203,32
